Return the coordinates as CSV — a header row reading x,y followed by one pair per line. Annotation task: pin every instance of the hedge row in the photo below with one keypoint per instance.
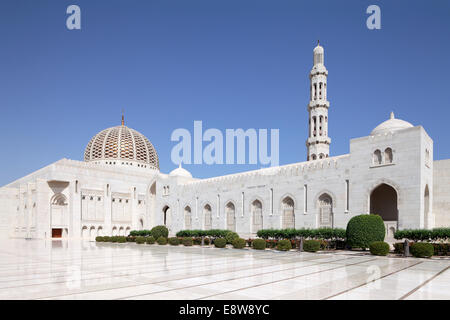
x,y
320,233
215,233
423,234
440,249
156,232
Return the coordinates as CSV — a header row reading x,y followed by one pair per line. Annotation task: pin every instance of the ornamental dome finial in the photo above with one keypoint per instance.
x,y
123,118
392,115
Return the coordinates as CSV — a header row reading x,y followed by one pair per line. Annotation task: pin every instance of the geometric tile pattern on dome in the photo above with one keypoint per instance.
x,y
121,143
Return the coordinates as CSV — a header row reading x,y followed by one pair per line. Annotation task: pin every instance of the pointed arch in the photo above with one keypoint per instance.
x,y
287,213
187,218
207,217
257,215
325,212
230,213
384,202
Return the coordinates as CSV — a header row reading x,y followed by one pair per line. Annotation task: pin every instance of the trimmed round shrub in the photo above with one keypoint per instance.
x,y
422,250
150,240
311,245
206,241
100,239
174,241
220,242
131,239
197,241
159,231
162,241
259,244
238,243
379,248
284,245
364,229
187,241
230,236
140,240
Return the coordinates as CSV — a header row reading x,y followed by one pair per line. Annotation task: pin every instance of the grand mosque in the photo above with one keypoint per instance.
x,y
119,187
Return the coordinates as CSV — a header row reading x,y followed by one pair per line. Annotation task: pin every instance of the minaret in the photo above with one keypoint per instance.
x,y
318,143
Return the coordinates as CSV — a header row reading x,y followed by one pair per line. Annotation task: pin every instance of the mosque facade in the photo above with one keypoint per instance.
x,y
119,187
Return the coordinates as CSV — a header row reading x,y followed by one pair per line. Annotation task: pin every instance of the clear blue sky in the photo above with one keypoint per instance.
x,y
230,63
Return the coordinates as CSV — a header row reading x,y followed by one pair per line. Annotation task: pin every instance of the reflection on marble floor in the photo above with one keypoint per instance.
x,y
72,269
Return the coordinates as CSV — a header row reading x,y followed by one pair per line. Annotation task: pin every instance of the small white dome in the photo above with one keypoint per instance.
x,y
391,125
180,172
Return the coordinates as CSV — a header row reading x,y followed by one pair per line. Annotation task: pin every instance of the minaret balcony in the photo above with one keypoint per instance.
x,y
318,103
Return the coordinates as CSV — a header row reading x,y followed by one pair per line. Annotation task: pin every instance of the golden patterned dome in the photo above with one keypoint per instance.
x,y
121,146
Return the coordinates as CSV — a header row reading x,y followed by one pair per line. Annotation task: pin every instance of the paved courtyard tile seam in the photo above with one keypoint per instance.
x,y
368,282
212,272
424,283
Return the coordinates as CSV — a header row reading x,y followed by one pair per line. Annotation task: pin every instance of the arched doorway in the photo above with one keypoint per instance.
x,y
85,233
287,214
207,216
166,216
92,233
231,216
383,201
59,215
426,208
325,211
187,218
257,216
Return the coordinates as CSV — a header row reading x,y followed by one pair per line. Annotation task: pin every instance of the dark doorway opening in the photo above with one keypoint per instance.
x,y
383,201
56,233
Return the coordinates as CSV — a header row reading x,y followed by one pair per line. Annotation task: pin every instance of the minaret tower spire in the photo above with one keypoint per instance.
x,y
318,143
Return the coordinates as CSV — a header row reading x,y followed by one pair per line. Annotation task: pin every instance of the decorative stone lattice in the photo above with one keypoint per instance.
x,y
122,144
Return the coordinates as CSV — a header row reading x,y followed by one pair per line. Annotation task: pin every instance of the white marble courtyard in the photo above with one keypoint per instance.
x,y
69,269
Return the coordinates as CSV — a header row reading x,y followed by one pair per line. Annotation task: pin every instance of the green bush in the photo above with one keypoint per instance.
x,y
364,229
174,241
106,239
160,231
140,240
238,243
187,241
399,248
220,242
100,239
206,241
379,248
230,236
139,233
422,250
320,233
214,233
121,239
437,234
131,239
284,245
162,241
150,240
197,241
259,244
441,249
311,245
